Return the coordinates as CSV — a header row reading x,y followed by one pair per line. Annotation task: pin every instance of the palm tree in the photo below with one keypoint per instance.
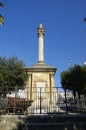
x,y
1,17
85,19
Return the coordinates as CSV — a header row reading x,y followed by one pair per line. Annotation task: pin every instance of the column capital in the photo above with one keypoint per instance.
x,y
40,30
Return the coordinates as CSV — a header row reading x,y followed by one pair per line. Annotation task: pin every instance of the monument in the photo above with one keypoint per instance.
x,y
40,84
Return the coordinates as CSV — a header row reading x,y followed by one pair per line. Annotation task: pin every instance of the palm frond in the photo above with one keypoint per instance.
x,y
1,4
85,19
1,20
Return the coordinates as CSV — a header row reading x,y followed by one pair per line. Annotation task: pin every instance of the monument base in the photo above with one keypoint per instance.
x,y
42,107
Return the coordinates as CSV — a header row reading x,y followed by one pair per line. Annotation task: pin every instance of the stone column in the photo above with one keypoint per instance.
x,y
40,44
30,87
51,87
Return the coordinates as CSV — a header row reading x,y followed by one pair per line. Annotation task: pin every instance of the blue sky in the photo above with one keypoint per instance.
x,y
65,36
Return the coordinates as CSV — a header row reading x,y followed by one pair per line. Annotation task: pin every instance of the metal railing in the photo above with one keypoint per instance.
x,y
40,100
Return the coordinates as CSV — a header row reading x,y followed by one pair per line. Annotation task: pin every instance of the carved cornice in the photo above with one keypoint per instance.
x,y
41,69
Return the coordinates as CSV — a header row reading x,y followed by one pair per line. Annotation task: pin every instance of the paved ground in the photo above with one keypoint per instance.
x,y
43,122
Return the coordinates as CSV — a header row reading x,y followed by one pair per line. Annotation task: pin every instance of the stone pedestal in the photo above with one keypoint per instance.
x,y
41,85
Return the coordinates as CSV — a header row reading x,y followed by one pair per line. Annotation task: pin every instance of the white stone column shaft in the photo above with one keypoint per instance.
x,y
40,44
40,49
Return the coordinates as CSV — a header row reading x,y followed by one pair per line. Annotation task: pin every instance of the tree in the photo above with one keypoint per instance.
x,y
1,17
84,79
12,74
74,79
65,79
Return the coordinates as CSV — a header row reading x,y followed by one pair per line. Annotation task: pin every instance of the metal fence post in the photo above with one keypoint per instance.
x,y
40,101
66,102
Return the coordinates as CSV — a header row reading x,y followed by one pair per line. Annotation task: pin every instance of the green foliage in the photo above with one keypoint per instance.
x,y
85,19
1,4
84,79
74,79
1,17
65,79
12,74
